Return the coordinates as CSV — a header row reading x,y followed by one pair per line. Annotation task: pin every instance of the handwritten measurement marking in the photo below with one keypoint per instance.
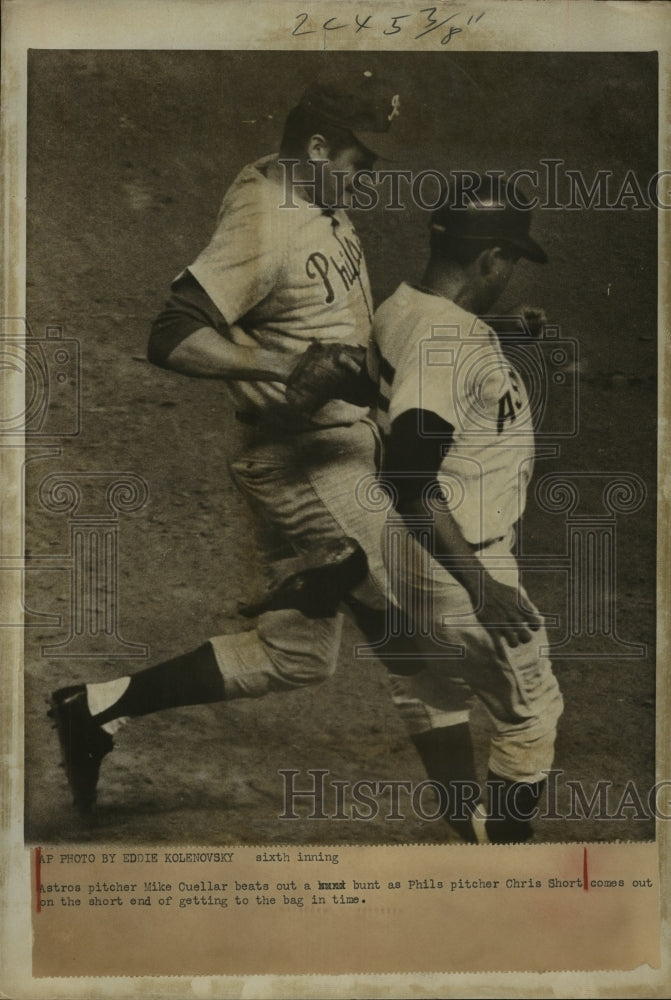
x,y
388,25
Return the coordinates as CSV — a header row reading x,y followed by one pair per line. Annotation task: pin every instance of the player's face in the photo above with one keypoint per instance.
x,y
339,169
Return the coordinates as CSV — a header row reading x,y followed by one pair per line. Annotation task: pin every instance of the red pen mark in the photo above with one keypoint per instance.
x,y
38,879
585,883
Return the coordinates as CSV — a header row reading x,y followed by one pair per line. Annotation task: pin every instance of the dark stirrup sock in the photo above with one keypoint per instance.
x,y
191,679
447,755
511,806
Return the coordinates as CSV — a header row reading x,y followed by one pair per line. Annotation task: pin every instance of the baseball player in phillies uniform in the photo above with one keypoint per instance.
x,y
459,449
283,269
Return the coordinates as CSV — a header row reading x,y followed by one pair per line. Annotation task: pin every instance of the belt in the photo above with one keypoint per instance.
x,y
481,546
275,423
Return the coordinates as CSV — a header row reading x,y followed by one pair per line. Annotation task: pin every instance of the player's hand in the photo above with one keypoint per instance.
x,y
329,371
501,616
534,318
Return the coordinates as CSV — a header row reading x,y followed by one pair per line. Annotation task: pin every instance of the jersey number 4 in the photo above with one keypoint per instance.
x,y
509,403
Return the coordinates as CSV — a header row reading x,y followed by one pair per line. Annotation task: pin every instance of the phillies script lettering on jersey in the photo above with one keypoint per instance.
x,y
345,264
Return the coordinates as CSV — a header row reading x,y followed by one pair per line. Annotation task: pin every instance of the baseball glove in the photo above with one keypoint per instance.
x,y
329,371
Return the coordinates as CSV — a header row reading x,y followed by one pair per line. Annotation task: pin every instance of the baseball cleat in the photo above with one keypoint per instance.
x,y
83,744
314,582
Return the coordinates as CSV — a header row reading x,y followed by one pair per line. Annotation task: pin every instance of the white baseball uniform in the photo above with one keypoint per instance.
x,y
446,368
282,277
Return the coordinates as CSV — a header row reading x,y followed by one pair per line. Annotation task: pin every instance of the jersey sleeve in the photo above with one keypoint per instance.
x,y
188,309
414,450
424,380
240,265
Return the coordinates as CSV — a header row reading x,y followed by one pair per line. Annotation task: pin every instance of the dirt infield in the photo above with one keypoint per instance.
x,y
129,154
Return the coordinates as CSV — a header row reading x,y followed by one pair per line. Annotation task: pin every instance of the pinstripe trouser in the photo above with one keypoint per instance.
x,y
302,488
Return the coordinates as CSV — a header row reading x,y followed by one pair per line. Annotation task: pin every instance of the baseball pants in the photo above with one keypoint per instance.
x,y
516,685
303,488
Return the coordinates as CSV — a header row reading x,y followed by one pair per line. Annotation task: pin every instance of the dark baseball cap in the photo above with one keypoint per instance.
x,y
482,212
363,103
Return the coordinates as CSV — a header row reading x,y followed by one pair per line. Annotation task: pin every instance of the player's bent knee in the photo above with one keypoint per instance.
x,y
300,669
302,673
303,651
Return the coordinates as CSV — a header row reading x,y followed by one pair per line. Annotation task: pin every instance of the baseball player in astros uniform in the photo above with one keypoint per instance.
x,y
283,269
459,449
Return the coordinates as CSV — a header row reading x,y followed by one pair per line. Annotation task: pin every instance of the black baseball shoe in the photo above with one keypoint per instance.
x,y
512,803
83,744
314,582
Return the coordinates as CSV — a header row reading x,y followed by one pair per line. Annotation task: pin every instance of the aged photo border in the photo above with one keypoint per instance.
x,y
524,26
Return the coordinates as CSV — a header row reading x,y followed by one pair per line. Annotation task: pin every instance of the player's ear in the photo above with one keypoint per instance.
x,y
318,147
492,261
496,266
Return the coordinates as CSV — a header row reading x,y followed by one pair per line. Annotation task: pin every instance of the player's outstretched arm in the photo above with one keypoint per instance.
x,y
205,353
192,337
495,604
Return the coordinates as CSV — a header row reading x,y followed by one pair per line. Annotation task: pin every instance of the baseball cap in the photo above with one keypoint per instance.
x,y
482,211
364,103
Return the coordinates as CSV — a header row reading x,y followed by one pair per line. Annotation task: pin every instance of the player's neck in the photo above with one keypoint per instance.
x,y
450,281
